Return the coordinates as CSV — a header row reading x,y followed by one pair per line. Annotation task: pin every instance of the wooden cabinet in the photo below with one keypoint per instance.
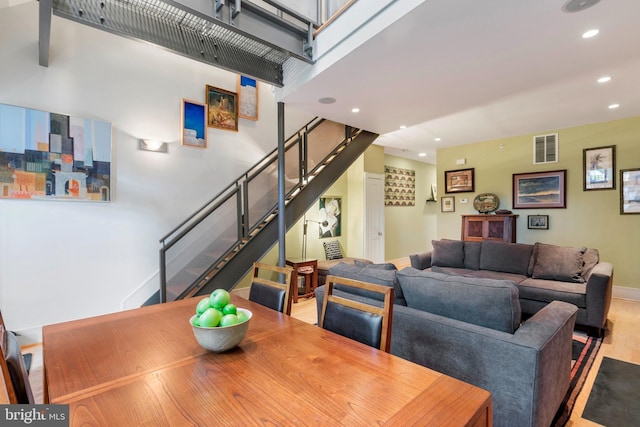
x,y
476,228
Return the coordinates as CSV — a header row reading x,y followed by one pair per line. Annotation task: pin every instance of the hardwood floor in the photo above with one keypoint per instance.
x,y
621,342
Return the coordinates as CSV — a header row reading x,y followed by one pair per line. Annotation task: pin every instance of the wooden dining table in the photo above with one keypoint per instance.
x,y
143,367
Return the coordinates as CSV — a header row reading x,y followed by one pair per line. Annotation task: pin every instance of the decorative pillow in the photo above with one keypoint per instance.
x,y
371,275
505,257
332,250
591,257
560,263
448,253
489,303
384,266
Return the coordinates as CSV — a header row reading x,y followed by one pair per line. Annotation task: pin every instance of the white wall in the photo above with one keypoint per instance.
x,y
66,260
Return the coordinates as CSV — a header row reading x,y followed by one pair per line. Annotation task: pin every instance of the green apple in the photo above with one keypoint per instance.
x,y
202,305
219,298
242,316
229,309
229,320
210,318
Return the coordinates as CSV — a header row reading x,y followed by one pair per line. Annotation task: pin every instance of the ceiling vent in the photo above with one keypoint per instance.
x,y
545,148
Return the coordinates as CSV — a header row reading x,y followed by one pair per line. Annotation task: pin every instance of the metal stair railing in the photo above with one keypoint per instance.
x,y
196,249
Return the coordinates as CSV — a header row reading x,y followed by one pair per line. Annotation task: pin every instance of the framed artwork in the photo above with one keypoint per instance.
x,y
194,128
399,186
538,222
222,109
459,181
630,191
599,167
536,190
247,98
448,204
53,156
329,217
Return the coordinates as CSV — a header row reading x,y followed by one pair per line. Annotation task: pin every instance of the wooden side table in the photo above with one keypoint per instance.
x,y
299,266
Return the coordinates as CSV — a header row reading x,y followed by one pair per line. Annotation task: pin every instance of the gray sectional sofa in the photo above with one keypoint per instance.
x,y
543,273
471,329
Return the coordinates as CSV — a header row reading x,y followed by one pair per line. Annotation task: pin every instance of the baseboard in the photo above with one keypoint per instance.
x,y
142,293
626,293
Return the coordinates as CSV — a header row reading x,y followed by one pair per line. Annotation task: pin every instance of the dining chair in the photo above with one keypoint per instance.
x,y
362,322
275,294
14,372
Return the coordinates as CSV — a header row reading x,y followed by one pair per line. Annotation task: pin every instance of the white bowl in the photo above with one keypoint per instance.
x,y
221,338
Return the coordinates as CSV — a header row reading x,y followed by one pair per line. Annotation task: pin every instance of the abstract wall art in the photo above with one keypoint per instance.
x,y
399,186
52,156
248,98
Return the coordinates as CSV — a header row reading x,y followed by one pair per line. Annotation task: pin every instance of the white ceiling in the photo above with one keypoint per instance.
x,y
469,71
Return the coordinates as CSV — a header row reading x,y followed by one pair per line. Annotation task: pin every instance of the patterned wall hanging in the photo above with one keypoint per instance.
x,y
399,186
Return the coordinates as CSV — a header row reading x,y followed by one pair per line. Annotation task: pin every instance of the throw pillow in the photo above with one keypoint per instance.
x,y
383,266
505,257
332,250
564,264
472,255
448,253
371,275
591,257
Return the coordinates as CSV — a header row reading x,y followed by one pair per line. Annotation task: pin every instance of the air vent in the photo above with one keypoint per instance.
x,y
545,148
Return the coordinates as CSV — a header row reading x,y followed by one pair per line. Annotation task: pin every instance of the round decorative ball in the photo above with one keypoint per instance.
x,y
486,203
221,338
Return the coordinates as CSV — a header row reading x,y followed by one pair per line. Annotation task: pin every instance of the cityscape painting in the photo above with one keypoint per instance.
x,y
50,156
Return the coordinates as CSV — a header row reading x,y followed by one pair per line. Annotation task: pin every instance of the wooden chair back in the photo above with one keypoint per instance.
x,y
275,294
17,387
362,322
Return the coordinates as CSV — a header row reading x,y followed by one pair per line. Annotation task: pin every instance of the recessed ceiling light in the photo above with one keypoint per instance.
x,y
590,33
613,106
437,139
422,154
327,100
355,110
403,126
604,79
578,5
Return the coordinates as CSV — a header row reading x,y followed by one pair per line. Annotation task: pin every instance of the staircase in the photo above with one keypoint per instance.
x,y
216,246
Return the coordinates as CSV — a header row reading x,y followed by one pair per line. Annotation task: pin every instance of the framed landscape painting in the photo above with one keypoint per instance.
x,y
222,109
599,166
536,190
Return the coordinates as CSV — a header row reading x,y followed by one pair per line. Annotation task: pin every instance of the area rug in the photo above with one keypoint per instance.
x,y
613,400
583,353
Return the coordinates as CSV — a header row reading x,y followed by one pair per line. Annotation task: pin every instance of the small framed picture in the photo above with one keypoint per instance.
x,y
459,181
247,98
599,167
222,109
194,128
630,191
448,204
538,222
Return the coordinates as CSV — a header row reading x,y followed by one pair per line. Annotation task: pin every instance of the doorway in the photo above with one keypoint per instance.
x,y
374,217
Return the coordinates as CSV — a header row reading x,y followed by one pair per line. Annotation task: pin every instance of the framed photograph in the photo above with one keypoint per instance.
x,y
459,181
194,129
247,98
222,107
537,190
448,204
630,191
538,222
329,217
599,166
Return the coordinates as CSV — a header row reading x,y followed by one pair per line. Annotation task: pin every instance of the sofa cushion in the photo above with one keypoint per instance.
x,y
480,274
552,290
371,275
561,263
448,253
472,255
369,264
332,250
505,257
591,257
484,302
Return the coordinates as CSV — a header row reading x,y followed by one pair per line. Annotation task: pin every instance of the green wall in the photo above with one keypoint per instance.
x,y
591,218
410,229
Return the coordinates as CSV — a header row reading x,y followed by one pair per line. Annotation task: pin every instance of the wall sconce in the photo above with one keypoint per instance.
x,y
153,145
